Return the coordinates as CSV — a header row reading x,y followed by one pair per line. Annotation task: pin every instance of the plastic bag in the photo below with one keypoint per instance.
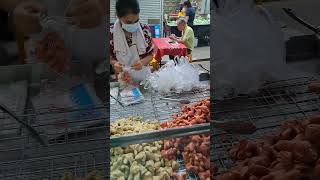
x,y
64,95
175,76
131,76
131,95
248,48
55,39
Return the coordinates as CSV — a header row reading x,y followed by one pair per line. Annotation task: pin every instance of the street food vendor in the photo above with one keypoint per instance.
x,y
131,44
88,15
187,36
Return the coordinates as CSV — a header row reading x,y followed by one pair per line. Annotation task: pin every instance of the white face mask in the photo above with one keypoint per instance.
x,y
131,27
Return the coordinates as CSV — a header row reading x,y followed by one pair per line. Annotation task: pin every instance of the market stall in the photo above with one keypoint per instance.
x,y
162,127
166,46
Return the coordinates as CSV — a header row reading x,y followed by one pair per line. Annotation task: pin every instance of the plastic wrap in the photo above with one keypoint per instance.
x,y
248,48
175,76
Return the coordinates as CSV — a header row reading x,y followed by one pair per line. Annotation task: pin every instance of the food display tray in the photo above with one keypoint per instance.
x,y
155,108
274,104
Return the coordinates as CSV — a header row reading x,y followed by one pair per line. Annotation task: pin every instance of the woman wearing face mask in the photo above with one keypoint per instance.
x,y
130,42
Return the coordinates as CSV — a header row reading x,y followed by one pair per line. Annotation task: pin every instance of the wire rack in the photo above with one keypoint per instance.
x,y
144,109
164,109
53,167
79,147
155,108
274,104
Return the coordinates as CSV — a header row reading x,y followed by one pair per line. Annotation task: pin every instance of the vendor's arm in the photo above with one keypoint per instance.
x,y
146,60
9,5
23,14
87,13
116,65
179,40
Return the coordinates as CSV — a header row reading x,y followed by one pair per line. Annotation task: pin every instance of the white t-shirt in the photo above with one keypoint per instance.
x,y
87,44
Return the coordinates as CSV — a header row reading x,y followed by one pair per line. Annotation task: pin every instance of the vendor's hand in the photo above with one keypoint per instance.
x,y
86,13
125,77
117,67
137,65
26,17
173,36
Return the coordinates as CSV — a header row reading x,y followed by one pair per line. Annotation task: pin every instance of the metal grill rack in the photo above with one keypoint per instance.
x,y
79,150
53,167
155,108
164,109
144,109
274,104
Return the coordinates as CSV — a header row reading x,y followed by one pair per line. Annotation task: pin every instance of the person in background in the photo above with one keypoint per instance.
x,y
131,44
190,13
187,36
182,11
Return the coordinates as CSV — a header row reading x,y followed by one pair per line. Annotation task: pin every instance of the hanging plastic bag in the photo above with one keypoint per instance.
x,y
175,76
131,76
248,48
54,42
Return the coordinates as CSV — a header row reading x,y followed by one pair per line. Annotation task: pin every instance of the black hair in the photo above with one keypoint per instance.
x,y
181,7
187,3
125,7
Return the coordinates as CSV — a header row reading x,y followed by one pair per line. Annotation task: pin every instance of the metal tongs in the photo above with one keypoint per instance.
x,y
33,132
292,14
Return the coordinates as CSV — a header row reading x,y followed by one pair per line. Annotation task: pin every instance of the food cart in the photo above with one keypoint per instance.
x,y
153,123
